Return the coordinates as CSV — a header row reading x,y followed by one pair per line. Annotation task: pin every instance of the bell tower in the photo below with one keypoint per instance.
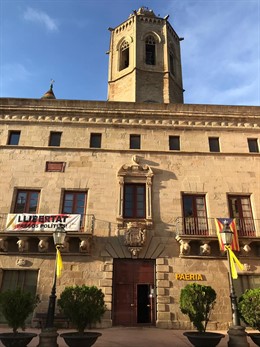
x,y
145,60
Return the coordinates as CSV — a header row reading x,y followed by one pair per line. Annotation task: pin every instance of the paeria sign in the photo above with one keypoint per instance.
x,y
188,277
42,222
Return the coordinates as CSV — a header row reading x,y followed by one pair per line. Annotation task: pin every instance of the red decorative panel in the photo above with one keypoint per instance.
x,y
52,166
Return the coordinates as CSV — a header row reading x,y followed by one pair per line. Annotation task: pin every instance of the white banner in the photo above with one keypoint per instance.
x,y
42,222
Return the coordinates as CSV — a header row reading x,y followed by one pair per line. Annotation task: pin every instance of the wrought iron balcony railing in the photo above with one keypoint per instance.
x,y
190,226
196,226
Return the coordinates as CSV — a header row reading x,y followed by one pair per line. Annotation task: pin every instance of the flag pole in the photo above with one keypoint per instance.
x,y
48,335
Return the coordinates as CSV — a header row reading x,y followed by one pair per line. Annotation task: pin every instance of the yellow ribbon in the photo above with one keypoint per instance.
x,y
59,264
233,261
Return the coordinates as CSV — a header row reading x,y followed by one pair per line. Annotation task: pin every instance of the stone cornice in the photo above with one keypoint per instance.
x,y
129,114
130,151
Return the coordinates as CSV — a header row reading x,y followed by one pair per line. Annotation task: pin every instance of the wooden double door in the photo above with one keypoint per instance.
x,y
133,292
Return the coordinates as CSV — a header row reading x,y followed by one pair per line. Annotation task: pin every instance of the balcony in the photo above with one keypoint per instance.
x,y
195,226
198,236
33,238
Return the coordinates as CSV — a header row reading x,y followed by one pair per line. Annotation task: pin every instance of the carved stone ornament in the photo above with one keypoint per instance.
x,y
135,237
3,245
246,249
134,251
205,248
23,245
247,267
43,245
21,262
135,169
184,246
84,245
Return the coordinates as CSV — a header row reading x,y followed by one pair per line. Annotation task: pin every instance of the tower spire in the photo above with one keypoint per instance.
x,y
49,94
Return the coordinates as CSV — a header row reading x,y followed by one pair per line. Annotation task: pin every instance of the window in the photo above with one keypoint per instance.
x,y
172,59
135,141
26,201
253,145
124,55
14,137
55,138
135,193
174,143
214,144
24,279
74,203
240,208
244,282
150,50
172,69
195,215
134,200
95,140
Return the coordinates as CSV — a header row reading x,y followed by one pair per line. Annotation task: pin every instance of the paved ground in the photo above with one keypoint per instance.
x,y
135,337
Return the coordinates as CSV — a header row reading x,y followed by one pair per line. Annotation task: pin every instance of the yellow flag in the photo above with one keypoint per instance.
x,y
59,265
233,261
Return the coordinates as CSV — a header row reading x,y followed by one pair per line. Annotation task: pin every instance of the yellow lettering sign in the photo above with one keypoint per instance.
x,y
188,277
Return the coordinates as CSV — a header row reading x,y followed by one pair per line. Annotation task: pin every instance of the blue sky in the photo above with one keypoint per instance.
x,y
67,41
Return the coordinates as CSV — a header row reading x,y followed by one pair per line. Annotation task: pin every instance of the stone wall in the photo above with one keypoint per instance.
x,y
193,169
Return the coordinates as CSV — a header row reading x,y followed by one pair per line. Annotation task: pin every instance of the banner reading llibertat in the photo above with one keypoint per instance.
x,y
42,222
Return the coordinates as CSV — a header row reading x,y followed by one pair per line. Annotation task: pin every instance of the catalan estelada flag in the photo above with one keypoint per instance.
x,y
220,222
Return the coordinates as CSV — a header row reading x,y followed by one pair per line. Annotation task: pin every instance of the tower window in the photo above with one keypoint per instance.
x,y
150,50
95,140
135,141
14,137
55,138
172,69
174,143
214,144
124,55
253,145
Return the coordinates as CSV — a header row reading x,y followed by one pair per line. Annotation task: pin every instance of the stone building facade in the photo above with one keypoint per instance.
x,y
147,178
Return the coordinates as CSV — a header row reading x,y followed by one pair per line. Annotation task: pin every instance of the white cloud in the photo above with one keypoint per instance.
x,y
40,17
